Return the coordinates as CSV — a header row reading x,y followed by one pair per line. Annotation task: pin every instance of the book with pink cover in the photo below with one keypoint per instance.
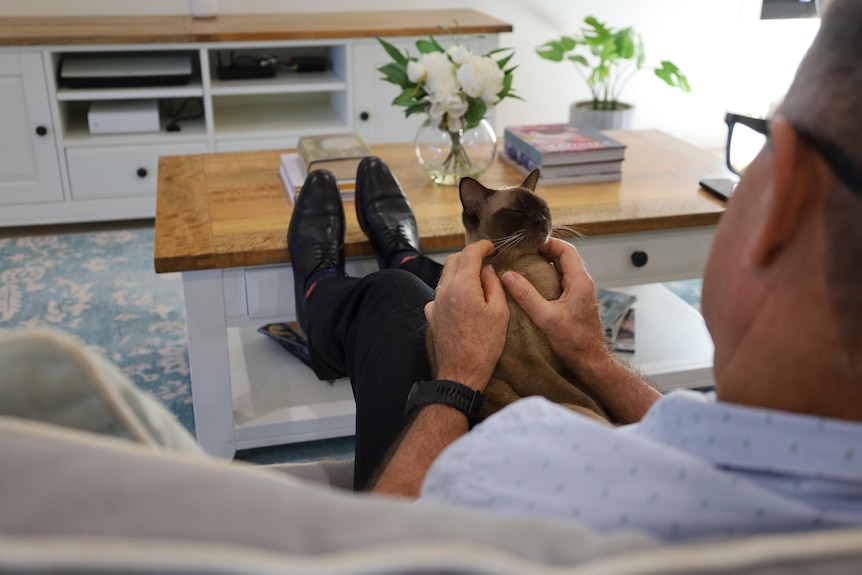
x,y
558,144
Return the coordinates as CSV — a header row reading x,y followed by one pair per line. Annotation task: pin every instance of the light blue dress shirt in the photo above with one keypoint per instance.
x,y
692,467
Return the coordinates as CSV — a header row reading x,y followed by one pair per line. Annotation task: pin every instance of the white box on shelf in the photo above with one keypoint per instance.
x,y
123,116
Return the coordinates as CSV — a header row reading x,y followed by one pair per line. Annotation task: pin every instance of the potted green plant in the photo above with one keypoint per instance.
x,y
607,59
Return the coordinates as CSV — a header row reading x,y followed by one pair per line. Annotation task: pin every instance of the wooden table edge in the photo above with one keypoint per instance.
x,y
284,26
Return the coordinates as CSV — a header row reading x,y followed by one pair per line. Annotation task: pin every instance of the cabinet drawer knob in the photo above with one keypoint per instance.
x,y
142,172
41,130
639,259
364,116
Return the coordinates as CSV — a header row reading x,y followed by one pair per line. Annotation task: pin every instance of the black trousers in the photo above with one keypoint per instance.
x,y
372,329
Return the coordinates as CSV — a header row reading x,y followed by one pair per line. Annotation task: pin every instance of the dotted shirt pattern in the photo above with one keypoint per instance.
x,y
692,467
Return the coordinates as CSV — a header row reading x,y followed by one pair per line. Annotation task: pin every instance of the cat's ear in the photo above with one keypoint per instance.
x,y
473,196
531,180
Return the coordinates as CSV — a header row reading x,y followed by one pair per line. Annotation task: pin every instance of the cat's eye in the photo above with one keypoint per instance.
x,y
514,211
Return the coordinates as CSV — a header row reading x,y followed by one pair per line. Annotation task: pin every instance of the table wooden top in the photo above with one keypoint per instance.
x,y
73,30
230,209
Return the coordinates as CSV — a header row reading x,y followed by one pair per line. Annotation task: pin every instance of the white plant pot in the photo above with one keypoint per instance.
x,y
619,119
203,8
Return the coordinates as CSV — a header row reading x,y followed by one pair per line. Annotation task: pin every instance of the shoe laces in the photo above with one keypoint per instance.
x,y
396,237
327,251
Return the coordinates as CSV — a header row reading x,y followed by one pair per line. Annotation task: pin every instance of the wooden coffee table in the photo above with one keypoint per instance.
x,y
221,220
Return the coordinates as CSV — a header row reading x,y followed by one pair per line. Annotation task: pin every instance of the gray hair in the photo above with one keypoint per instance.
x,y
824,101
824,97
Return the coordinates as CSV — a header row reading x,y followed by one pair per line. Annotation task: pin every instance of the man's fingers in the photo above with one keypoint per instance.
x,y
491,284
467,262
473,256
567,260
524,293
554,247
429,310
448,270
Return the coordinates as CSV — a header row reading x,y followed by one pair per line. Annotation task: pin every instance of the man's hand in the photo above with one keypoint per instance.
x,y
574,329
468,317
468,320
572,323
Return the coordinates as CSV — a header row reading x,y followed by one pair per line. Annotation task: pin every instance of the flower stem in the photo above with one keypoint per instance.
x,y
457,162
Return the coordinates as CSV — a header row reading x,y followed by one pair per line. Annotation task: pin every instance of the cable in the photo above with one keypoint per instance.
x,y
176,116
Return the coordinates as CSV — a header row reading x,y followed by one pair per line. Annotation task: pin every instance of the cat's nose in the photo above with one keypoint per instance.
x,y
540,220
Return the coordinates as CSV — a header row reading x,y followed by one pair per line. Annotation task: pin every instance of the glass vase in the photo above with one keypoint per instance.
x,y
450,156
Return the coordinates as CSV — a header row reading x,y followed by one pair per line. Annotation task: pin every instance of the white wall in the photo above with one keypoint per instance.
x,y
732,59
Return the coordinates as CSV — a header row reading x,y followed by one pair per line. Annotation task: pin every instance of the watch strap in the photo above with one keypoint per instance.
x,y
447,392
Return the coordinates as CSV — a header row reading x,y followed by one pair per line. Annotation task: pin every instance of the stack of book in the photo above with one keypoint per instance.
x,y
565,153
338,153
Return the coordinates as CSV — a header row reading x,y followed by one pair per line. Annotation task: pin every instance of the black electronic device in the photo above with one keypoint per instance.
x,y
721,188
124,70
307,64
246,67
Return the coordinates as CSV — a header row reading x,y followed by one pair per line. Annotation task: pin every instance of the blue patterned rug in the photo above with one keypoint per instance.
x,y
101,287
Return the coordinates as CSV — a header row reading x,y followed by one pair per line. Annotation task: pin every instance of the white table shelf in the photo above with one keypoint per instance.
x,y
277,399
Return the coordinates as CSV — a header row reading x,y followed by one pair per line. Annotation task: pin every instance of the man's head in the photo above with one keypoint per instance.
x,y
783,286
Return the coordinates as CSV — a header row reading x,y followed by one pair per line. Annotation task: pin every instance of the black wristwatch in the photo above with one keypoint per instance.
x,y
467,401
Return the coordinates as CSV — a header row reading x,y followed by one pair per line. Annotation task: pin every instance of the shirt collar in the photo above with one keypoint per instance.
x,y
755,439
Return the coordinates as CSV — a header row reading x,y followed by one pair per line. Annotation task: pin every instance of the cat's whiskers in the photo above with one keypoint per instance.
x,y
510,242
516,242
563,232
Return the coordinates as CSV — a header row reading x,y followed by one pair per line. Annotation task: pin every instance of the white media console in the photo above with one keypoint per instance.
x,y
53,170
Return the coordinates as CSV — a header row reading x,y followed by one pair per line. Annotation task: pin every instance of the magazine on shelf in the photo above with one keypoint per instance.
x,y
613,306
625,338
291,337
556,144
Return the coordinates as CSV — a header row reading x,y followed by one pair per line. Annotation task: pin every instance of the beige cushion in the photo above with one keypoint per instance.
x,y
60,483
46,375
86,503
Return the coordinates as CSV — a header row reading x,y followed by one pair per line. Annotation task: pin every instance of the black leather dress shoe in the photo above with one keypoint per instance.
x,y
315,237
384,213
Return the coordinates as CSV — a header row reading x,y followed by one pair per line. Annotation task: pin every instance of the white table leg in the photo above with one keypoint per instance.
x,y
208,361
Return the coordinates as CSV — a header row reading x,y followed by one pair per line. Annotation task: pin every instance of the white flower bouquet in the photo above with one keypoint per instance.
x,y
455,88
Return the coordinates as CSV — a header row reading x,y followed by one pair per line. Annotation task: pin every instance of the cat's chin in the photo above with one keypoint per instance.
x,y
542,239
534,243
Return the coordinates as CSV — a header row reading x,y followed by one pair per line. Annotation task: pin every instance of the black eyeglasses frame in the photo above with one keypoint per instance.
x,y
840,162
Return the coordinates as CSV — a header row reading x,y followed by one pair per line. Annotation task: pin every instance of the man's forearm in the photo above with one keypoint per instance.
x,y
435,427
623,392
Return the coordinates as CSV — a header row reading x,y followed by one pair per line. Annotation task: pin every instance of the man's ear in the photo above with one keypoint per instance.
x,y
793,190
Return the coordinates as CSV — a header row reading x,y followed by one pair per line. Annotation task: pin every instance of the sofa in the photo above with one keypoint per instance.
x,y
97,477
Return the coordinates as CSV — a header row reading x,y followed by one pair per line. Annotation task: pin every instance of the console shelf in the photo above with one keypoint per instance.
x,y
77,133
193,90
246,117
284,83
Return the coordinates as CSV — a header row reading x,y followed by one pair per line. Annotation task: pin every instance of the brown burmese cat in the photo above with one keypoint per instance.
x,y
518,222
